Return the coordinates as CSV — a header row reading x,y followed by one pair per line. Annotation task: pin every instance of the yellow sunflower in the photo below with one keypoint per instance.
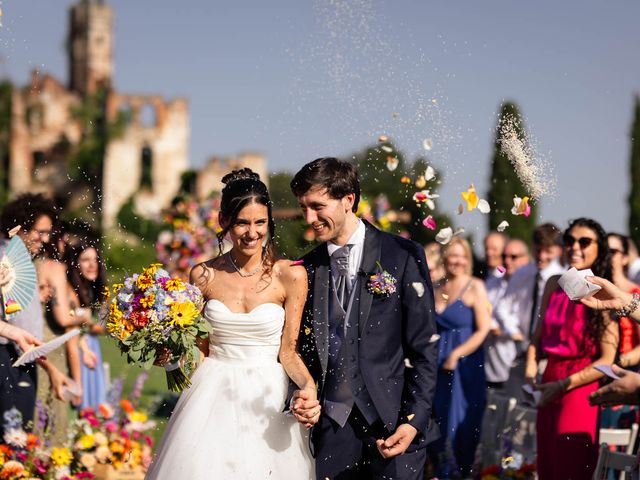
x,y
183,313
61,456
148,301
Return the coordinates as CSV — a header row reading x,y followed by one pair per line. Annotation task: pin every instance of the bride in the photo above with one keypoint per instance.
x,y
230,424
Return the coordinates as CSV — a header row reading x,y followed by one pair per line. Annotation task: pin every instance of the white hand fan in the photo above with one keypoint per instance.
x,y
22,274
36,352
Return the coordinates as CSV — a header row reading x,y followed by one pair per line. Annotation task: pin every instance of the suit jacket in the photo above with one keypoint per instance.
x,y
390,328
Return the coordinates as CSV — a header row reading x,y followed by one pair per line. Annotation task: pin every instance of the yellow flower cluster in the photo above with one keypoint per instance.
x,y
61,456
175,285
144,281
147,302
117,325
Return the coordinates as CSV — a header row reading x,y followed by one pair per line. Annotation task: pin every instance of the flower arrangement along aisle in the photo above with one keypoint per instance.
x,y
151,312
190,236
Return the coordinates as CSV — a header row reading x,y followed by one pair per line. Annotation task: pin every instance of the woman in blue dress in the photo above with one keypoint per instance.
x,y
87,278
462,316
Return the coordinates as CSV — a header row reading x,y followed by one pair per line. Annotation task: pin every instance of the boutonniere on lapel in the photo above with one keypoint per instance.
x,y
381,283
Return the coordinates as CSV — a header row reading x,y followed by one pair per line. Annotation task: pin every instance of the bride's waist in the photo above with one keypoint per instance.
x,y
244,353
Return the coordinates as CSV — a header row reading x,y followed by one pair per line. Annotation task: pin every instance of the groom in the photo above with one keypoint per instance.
x,y
355,336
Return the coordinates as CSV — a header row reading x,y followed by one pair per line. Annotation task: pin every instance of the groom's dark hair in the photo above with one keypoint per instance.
x,y
337,177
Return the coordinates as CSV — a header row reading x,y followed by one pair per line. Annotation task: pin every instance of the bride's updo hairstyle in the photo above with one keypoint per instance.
x,y
241,188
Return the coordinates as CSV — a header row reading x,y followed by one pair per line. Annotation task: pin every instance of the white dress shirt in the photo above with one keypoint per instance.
x,y
355,252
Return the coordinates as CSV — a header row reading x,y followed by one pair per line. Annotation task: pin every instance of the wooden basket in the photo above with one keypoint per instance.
x,y
107,472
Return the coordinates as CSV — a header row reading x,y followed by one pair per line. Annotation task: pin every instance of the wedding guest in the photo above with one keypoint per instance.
x,y
574,338
500,347
462,317
59,318
433,252
494,244
521,302
87,279
18,385
623,416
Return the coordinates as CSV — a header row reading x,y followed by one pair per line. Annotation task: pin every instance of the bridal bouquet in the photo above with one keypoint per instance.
x,y
151,312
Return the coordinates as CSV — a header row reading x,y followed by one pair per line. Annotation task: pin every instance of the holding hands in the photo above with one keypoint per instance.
x,y
305,406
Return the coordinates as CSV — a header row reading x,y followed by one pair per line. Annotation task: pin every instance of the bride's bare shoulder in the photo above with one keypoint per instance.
x,y
204,272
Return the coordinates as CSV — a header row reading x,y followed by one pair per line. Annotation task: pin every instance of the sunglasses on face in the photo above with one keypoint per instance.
x,y
583,242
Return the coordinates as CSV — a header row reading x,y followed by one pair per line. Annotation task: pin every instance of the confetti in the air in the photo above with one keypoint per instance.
x,y
387,148
430,223
521,206
383,139
460,209
444,236
421,182
501,269
502,226
483,206
427,144
429,173
392,163
405,179
535,177
471,197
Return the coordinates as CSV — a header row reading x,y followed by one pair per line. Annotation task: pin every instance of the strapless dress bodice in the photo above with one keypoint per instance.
x,y
244,336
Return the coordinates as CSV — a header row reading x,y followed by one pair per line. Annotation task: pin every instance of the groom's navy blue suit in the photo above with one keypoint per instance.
x,y
382,331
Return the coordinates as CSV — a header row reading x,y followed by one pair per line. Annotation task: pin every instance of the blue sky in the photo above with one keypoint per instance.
x,y
297,80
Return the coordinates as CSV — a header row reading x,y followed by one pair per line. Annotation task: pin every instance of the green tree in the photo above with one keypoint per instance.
x,y
280,190
6,92
504,184
634,164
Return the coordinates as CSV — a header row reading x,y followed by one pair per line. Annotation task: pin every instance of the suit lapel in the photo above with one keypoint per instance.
x,y
370,255
321,306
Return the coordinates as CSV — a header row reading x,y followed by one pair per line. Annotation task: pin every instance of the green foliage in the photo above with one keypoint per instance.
x,y
504,183
134,223
634,167
289,240
188,183
280,190
6,92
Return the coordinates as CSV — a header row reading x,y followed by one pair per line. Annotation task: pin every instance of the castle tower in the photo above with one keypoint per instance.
x,y
90,46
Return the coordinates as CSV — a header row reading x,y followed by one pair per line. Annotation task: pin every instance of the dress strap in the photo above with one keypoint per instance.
x,y
464,290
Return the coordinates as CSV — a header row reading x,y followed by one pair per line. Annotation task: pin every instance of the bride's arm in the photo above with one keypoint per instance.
x,y
294,280
199,276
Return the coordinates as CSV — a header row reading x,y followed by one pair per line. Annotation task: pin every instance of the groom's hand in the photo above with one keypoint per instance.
x,y
397,443
305,407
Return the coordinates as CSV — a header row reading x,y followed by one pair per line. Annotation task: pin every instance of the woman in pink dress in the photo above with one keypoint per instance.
x,y
573,338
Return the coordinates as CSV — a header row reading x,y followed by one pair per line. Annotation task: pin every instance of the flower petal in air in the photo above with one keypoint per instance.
x,y
427,144
405,179
383,139
470,197
430,223
483,206
444,236
392,163
460,209
459,231
502,226
421,182
387,148
429,173
421,196
501,269
521,206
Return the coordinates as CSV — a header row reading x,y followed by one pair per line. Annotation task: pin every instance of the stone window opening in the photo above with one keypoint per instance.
x,y
146,175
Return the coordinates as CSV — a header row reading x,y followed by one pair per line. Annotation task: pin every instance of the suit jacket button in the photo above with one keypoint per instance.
x,y
351,341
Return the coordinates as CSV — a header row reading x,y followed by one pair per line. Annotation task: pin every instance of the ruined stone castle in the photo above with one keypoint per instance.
x,y
144,163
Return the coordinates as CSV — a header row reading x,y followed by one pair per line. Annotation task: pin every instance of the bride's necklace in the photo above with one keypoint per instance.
x,y
245,274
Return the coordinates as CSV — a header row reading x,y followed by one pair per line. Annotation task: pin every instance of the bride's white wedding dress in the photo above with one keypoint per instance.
x,y
230,424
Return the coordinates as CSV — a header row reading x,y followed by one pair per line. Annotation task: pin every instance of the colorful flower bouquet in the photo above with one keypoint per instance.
x,y
152,312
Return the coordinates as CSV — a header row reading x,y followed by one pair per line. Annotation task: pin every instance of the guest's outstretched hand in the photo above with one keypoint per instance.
x,y
306,407
609,297
397,443
21,337
623,391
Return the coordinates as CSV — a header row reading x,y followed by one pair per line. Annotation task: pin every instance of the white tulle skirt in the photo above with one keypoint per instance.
x,y
230,425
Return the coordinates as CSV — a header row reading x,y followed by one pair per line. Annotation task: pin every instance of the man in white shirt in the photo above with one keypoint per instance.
x,y
500,347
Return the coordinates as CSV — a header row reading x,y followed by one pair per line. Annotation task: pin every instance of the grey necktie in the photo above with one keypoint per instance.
x,y
340,260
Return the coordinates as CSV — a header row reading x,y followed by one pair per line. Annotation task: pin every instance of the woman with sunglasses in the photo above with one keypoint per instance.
x,y
574,338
